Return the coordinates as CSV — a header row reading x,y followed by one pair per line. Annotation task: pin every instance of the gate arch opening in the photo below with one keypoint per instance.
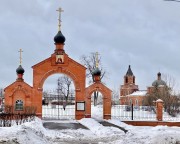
x,y
58,101
97,105
55,72
48,67
106,92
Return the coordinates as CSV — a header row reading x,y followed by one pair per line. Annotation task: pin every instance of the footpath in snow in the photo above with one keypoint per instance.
x,y
98,129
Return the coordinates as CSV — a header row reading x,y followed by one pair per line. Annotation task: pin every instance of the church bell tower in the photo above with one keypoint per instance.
x,y
129,85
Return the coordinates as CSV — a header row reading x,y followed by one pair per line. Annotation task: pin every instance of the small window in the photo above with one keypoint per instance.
x,y
19,105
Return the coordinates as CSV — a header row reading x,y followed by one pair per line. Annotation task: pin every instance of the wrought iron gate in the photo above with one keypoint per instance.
x,y
58,107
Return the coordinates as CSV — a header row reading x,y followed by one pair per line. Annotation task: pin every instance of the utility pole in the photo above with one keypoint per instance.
x,y
58,92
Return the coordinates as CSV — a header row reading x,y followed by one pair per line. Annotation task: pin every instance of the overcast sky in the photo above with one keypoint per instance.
x,y
142,33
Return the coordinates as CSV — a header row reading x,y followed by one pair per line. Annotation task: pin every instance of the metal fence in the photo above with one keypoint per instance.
x,y
125,112
58,112
58,107
167,117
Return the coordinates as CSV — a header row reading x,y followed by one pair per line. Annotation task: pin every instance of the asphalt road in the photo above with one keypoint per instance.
x,y
60,126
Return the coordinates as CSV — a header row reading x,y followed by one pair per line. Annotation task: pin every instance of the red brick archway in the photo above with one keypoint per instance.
x,y
48,67
59,71
32,96
106,92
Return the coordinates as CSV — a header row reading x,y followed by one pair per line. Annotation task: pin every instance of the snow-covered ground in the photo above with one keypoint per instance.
x,y
34,132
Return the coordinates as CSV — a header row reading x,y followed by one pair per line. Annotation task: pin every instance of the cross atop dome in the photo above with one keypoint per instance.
x,y
97,61
20,56
96,72
20,71
59,38
60,10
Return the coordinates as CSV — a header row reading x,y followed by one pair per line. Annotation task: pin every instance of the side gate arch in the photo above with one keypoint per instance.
x,y
107,94
48,67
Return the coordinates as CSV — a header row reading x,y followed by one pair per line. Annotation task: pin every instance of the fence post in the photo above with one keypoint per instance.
x,y
159,109
132,112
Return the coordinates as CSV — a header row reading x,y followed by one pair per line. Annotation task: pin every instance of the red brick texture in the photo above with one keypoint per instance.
x,y
48,67
106,92
32,96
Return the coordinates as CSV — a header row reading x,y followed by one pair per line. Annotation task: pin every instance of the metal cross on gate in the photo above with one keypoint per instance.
x,y
20,57
60,10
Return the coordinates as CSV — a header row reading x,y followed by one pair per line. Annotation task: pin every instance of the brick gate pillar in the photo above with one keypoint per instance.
x,y
159,110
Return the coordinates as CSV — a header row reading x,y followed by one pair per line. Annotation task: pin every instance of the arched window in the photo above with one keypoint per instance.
x,y
19,105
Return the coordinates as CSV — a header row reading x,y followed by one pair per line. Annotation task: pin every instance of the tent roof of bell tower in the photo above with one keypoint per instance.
x,y
129,71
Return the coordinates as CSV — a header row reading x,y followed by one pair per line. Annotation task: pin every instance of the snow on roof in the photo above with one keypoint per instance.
x,y
159,100
139,93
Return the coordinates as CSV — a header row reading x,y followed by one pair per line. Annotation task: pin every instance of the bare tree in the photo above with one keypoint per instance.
x,y
64,89
1,93
1,99
10,115
89,61
115,97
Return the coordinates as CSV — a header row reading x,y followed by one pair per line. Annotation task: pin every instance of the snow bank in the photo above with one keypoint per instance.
x,y
34,132
29,132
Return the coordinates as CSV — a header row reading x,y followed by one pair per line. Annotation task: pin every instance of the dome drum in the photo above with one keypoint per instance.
x,y
159,83
96,75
